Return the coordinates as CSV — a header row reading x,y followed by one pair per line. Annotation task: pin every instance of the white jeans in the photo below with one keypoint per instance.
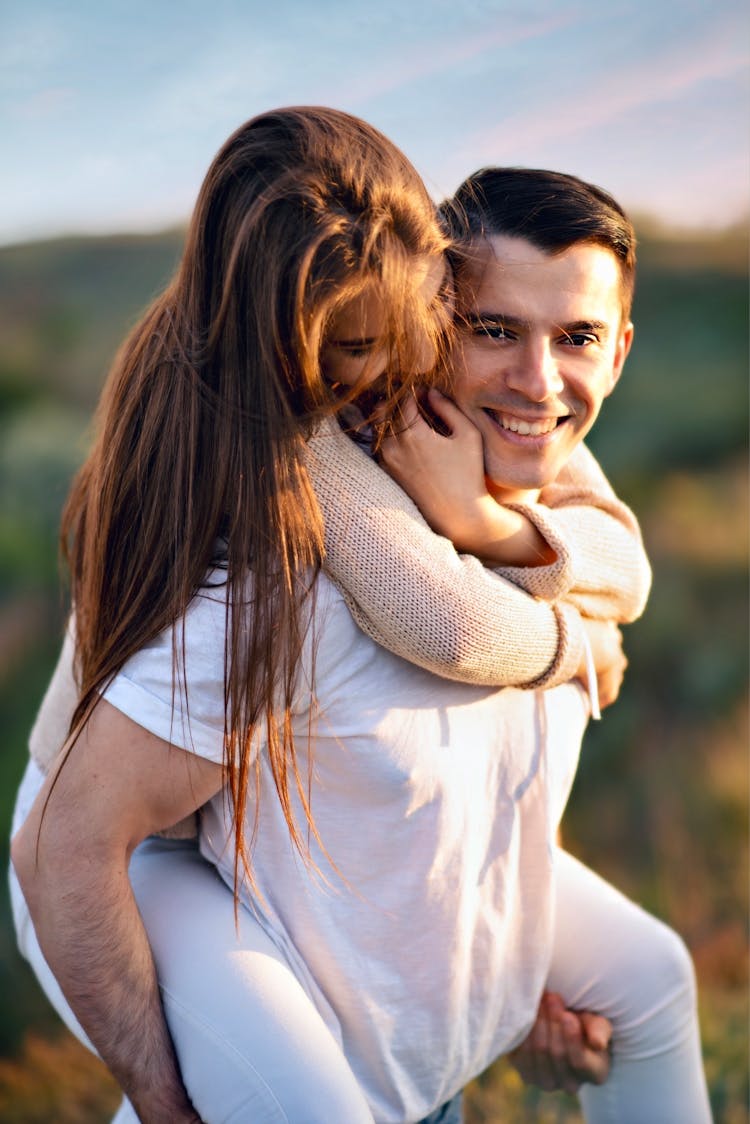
x,y
254,1050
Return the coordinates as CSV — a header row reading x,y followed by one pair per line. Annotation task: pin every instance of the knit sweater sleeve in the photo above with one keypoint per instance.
x,y
602,567
410,591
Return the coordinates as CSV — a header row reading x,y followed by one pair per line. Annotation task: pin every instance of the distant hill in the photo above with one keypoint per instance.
x,y
66,304
664,248
683,399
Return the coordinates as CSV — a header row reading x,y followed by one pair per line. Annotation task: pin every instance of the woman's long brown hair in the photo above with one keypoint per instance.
x,y
198,453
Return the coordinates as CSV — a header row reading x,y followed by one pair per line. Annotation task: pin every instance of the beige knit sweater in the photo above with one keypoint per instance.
x,y
410,591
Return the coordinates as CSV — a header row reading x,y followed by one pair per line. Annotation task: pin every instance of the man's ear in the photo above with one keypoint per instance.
x,y
624,343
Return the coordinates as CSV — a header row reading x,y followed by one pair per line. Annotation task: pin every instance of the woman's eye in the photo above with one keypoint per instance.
x,y
356,352
493,331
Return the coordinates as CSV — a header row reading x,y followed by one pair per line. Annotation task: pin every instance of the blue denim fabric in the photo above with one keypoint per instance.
x,y
449,1113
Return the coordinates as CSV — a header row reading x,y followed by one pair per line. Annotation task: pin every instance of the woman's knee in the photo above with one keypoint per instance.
x,y
662,963
675,964
613,957
663,1007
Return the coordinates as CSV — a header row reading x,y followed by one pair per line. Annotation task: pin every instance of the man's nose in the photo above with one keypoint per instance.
x,y
535,373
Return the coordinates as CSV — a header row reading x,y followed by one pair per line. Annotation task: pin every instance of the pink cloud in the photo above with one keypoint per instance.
x,y
636,85
434,58
46,103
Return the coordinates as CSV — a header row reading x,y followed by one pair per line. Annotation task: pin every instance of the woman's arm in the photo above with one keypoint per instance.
x,y
444,475
610,572
573,540
118,785
410,590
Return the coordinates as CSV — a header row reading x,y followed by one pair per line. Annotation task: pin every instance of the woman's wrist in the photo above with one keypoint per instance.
x,y
501,536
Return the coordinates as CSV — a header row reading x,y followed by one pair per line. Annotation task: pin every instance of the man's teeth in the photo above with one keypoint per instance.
x,y
530,429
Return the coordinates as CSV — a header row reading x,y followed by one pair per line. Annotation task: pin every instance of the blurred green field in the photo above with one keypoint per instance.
x,y
660,806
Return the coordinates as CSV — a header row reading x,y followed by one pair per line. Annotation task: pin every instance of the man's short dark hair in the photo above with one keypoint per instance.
x,y
551,210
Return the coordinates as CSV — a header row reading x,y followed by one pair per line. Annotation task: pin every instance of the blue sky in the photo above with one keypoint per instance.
x,y
110,112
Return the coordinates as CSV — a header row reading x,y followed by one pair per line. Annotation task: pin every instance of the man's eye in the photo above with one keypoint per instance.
x,y
580,339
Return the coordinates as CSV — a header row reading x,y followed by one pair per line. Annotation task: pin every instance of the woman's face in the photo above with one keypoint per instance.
x,y
351,353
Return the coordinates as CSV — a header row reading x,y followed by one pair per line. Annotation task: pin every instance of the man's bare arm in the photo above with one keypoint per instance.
x,y
119,784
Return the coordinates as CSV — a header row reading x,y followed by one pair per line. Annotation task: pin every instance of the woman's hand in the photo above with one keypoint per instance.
x,y
444,475
564,1049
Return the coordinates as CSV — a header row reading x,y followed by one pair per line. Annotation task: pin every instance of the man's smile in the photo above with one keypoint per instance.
x,y
525,427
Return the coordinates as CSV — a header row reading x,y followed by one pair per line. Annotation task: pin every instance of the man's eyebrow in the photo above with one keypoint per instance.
x,y
598,326
515,323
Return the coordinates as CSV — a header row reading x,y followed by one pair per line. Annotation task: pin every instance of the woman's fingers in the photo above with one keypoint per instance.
x,y
445,409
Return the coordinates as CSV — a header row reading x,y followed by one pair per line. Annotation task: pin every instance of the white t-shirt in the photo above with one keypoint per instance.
x,y
427,948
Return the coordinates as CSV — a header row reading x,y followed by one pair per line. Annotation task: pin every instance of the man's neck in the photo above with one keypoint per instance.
x,y
511,495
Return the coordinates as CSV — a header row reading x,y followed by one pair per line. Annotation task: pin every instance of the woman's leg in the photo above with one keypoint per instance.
x,y
612,957
250,1043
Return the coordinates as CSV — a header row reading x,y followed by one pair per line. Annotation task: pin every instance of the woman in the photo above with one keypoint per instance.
x,y
313,259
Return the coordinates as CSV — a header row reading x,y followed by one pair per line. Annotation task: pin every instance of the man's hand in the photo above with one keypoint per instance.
x,y
444,475
564,1049
610,661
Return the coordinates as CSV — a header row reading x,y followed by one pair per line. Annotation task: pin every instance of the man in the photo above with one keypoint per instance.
x,y
548,331
545,283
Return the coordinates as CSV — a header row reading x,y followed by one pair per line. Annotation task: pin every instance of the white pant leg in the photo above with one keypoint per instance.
x,y
250,1043
612,957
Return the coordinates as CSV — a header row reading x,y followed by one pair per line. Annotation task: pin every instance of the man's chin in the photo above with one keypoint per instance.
x,y
505,481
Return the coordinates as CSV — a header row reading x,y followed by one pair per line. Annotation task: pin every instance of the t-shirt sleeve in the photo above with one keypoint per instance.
x,y
174,685
52,723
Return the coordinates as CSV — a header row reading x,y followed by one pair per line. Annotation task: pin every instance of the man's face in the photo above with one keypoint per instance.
x,y
543,347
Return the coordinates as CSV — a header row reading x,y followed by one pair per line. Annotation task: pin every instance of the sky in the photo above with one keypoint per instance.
x,y
110,111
